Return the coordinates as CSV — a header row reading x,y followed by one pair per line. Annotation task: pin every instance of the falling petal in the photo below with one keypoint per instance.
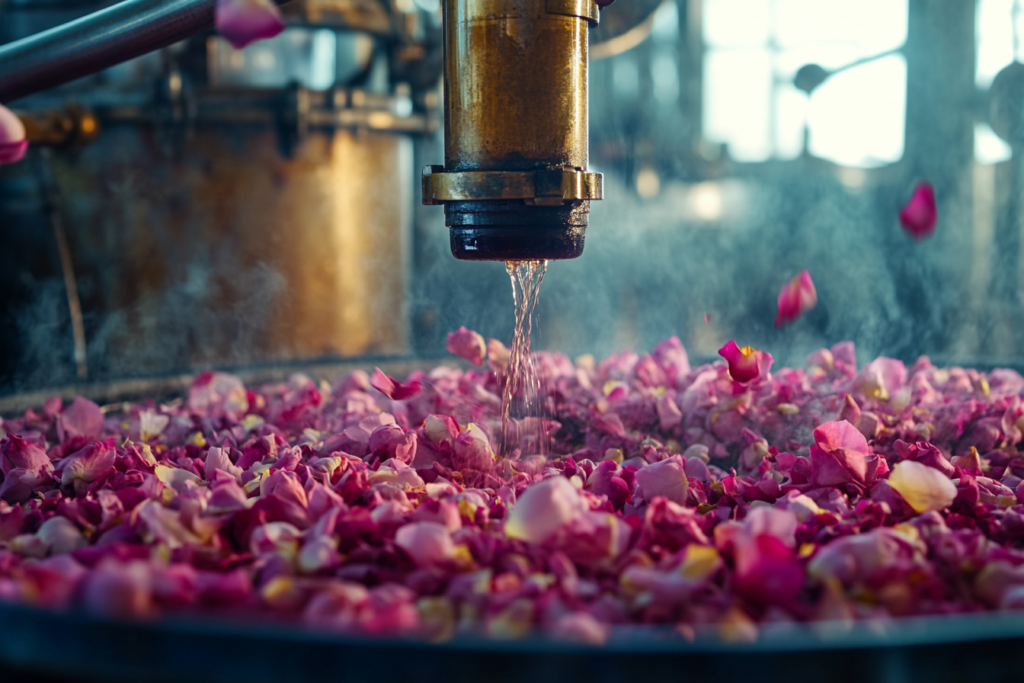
x,y
469,345
796,298
497,355
243,22
12,137
919,216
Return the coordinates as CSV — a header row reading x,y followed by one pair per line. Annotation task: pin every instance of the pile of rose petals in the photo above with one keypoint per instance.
x,y
669,495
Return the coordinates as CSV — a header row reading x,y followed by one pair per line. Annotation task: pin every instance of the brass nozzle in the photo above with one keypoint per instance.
x,y
515,183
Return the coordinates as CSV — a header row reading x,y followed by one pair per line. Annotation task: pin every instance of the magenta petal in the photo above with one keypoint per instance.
x,y
243,22
543,509
767,570
285,485
795,298
81,418
426,543
12,137
746,364
14,488
16,452
217,394
441,429
467,344
840,454
217,459
11,152
89,465
473,450
840,434
669,415
666,478
919,216
391,387
119,590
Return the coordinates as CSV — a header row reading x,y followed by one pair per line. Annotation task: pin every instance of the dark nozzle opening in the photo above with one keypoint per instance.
x,y
514,231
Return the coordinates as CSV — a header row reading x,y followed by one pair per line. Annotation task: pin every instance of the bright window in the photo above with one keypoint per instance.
x,y
755,47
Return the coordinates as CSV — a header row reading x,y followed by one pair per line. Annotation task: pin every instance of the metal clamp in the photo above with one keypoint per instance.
x,y
545,188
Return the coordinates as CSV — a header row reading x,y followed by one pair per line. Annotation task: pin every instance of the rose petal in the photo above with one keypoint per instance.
x,y
795,298
243,22
920,215
467,344
427,543
543,509
217,394
746,364
81,418
391,387
472,450
666,478
923,487
151,425
13,144
90,465
16,452
217,459
61,535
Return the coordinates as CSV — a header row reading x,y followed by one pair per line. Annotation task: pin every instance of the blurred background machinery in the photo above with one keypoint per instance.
x,y
207,207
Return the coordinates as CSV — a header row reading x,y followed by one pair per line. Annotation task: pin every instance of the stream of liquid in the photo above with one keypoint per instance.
x,y
522,385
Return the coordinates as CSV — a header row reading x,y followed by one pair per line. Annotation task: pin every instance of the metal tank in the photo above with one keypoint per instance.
x,y
222,207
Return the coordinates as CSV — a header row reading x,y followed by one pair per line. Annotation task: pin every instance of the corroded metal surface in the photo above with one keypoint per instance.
x,y
516,86
221,251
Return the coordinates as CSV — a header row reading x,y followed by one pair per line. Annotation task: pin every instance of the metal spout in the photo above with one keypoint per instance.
x,y
515,184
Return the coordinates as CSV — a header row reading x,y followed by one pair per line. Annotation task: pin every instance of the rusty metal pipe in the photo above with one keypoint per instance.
x,y
98,41
515,184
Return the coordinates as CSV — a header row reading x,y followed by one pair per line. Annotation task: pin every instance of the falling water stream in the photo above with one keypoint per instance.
x,y
520,394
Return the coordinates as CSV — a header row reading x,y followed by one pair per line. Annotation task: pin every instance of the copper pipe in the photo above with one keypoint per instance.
x,y
98,41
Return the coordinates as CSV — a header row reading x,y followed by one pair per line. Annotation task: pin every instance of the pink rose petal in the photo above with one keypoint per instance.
x,y
13,144
796,298
543,510
16,452
89,465
746,364
472,450
81,418
666,478
427,543
243,22
467,344
840,454
919,215
924,488
391,387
